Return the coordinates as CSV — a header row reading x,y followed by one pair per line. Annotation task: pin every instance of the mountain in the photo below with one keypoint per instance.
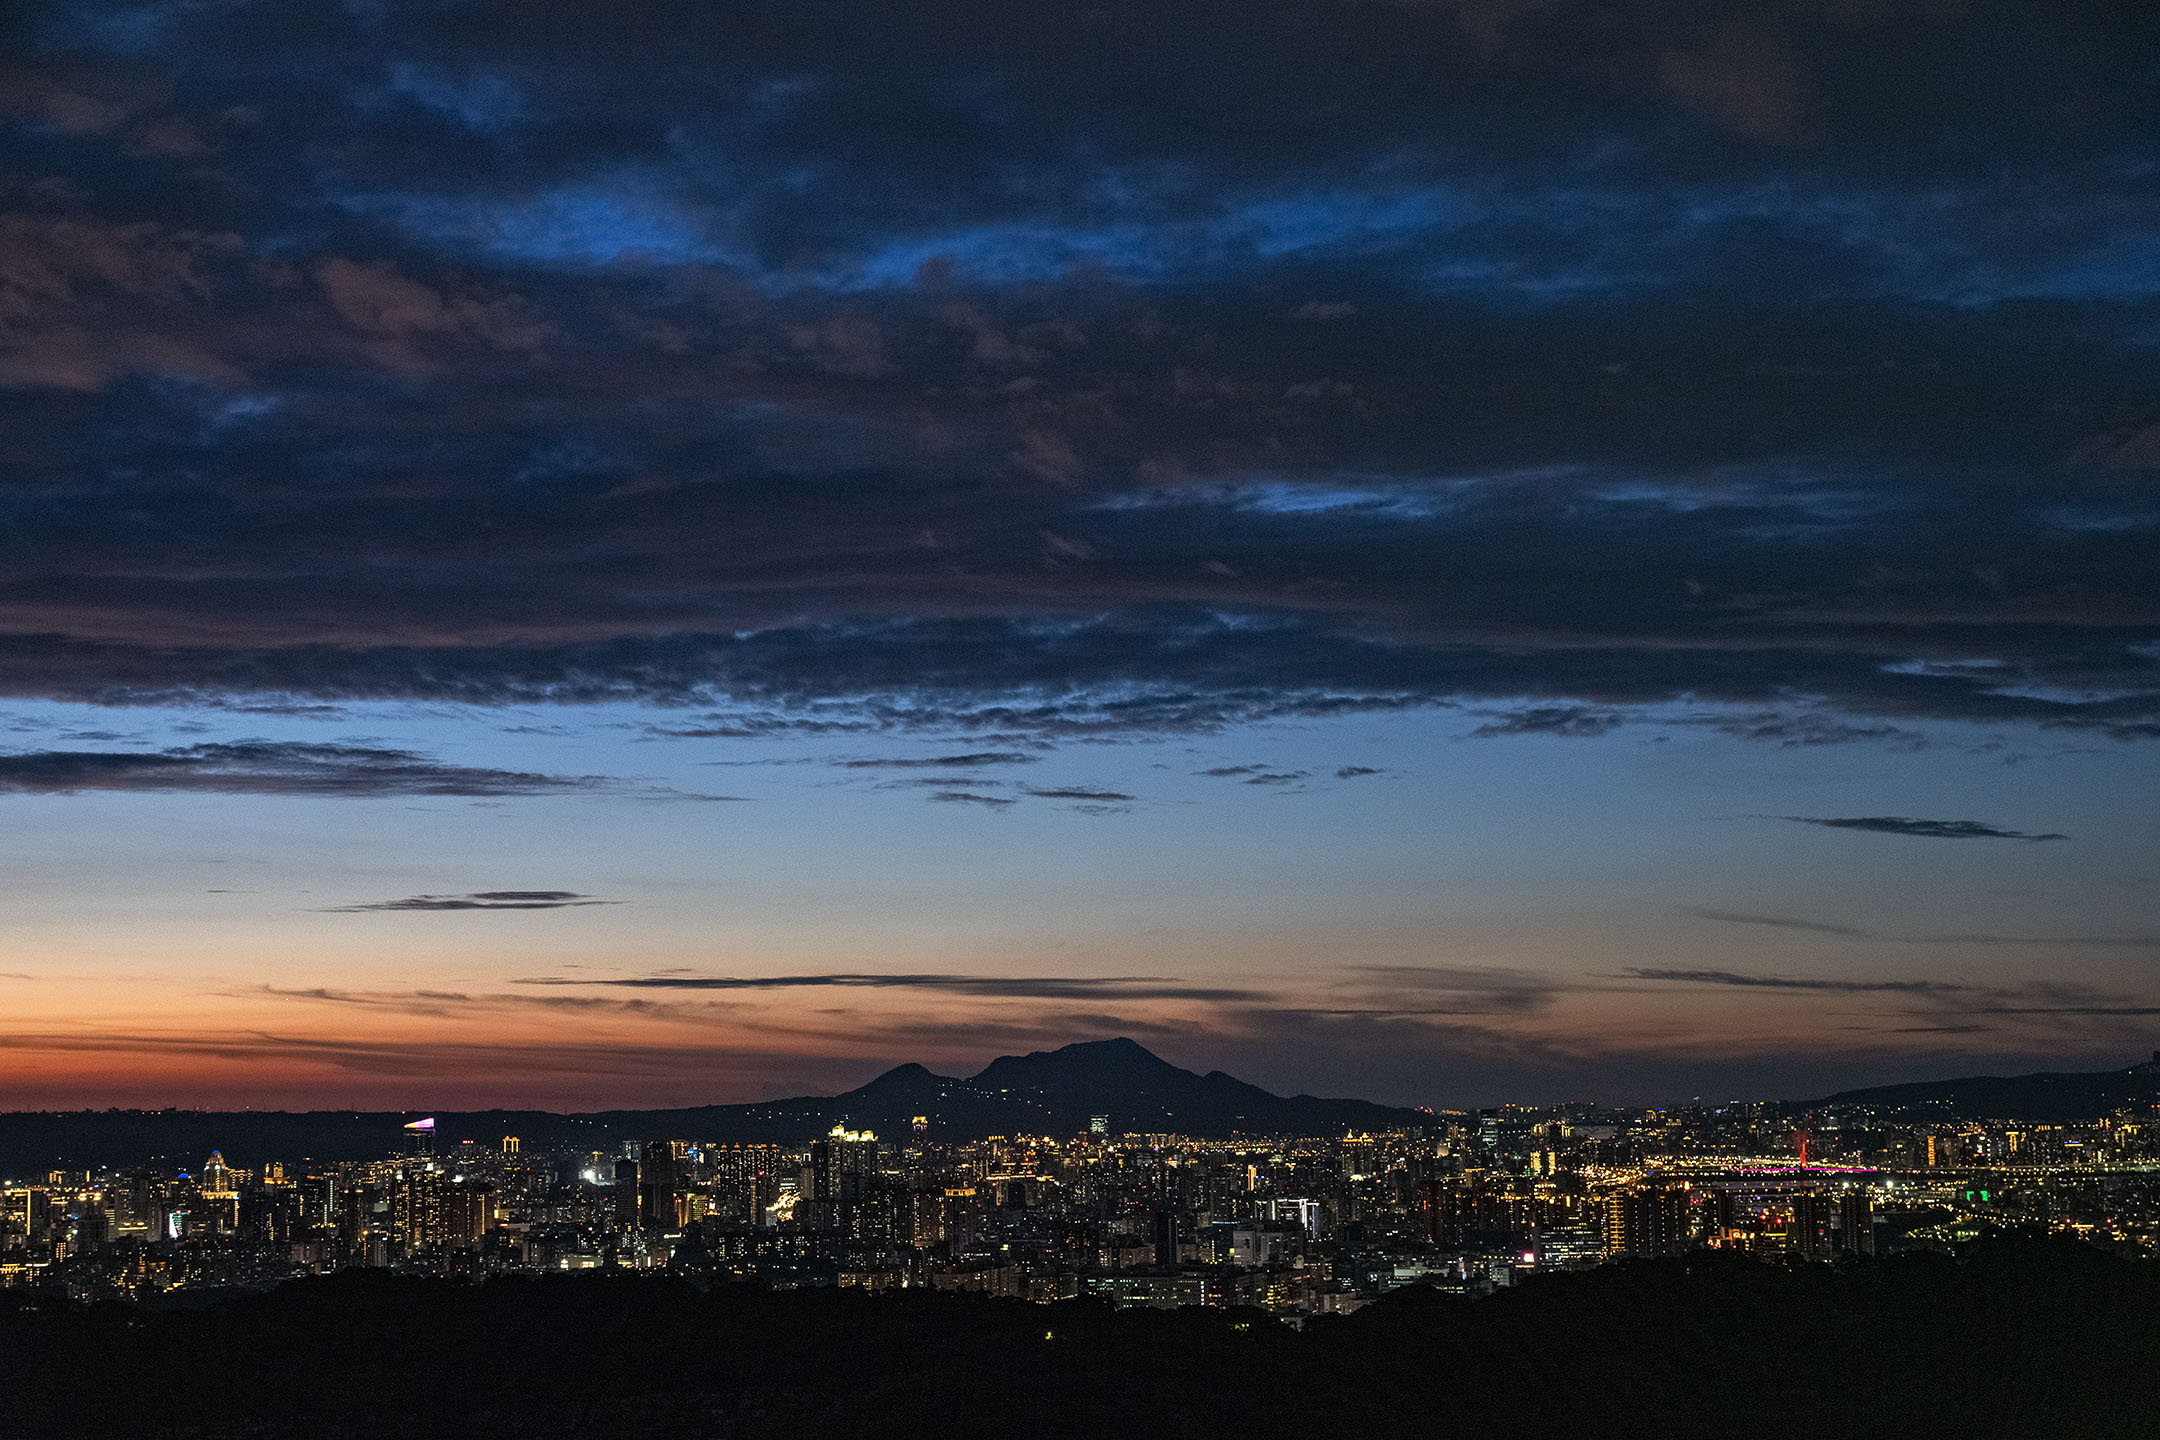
x,y
1057,1092
1053,1092
2047,1096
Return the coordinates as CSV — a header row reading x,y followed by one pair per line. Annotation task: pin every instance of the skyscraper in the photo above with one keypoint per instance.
x,y
1648,1220
659,1181
1805,1235
1856,1223
841,1165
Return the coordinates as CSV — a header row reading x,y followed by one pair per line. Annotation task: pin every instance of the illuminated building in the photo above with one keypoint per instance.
x,y
842,1166
467,1212
1647,1220
745,1179
1856,1223
659,1185
416,1208
1807,1235
626,1194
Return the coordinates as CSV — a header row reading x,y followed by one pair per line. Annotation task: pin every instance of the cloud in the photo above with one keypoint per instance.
x,y
1107,796
962,797
482,900
1930,829
2105,942
1125,987
1780,922
967,761
2094,1010
1474,990
2123,942
1037,409
1809,731
271,768
1573,721
1784,982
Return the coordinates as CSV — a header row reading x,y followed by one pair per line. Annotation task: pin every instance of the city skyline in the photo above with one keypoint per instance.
x,y
1453,553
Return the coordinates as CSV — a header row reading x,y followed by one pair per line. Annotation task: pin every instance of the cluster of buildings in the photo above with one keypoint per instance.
x,y
1305,1225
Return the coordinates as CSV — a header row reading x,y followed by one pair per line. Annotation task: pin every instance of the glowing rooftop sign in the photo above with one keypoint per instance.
x,y
427,1124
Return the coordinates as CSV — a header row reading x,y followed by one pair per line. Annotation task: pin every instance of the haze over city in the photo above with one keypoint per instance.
x,y
1486,550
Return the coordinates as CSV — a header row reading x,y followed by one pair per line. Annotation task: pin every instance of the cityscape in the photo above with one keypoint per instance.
x,y
1467,1203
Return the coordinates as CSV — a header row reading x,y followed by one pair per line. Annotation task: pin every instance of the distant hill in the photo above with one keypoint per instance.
x,y
2049,1096
1053,1092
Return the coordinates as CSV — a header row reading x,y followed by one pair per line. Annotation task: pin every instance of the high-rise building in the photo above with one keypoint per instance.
x,y
467,1212
135,1205
842,1166
1855,1223
1648,1220
1806,1235
746,1179
659,1183
626,1194
318,1200
417,1217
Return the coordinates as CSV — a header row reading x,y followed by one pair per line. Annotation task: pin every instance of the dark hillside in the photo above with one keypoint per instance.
x,y
2027,1339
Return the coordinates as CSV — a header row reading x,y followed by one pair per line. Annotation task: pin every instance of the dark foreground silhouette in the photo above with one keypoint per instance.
x,y
2026,1339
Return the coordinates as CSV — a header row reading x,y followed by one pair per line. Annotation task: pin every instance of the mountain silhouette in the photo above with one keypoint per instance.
x,y
2047,1096
1060,1092
1047,1092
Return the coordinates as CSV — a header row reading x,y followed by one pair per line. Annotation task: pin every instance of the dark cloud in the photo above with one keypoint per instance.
x,y
1785,982
1779,922
2105,942
2094,1010
1351,772
1928,829
1472,990
265,768
1569,720
963,797
1969,938
1106,796
1040,371
484,900
1808,731
968,761
1125,987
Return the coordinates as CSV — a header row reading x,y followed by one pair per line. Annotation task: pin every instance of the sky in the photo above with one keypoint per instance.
x,y
1450,551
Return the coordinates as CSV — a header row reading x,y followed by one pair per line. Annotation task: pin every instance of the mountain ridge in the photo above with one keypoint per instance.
x,y
2043,1095
1055,1092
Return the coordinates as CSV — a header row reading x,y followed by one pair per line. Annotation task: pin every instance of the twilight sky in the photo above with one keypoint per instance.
x,y
1446,550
